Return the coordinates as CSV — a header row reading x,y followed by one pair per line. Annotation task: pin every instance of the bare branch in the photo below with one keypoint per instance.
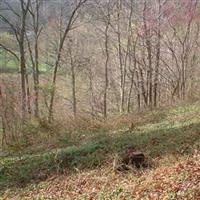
x,y
10,51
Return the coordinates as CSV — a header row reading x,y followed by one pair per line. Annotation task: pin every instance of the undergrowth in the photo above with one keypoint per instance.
x,y
158,133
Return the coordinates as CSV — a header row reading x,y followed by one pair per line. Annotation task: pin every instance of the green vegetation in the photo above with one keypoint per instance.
x,y
97,100
176,133
8,64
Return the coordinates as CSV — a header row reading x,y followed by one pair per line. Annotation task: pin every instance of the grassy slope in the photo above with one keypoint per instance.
x,y
12,64
171,138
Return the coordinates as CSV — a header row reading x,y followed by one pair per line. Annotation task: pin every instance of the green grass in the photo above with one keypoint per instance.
x,y
9,64
190,108
158,138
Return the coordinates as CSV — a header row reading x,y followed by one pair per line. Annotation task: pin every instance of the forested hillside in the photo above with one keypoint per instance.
x,y
103,94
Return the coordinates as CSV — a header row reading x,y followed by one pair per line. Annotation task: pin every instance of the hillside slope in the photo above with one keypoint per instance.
x,y
169,138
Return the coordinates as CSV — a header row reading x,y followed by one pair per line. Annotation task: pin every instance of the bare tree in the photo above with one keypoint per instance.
x,y
19,31
68,27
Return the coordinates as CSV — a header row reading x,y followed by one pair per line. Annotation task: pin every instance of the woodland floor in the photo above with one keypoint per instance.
x,y
171,141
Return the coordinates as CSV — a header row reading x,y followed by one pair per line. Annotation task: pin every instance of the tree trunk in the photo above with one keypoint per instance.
x,y
121,64
23,81
73,79
106,71
130,93
157,58
28,94
71,21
